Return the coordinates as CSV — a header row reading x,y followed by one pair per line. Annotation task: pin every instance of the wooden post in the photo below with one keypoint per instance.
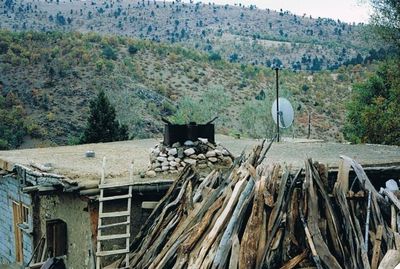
x,y
376,253
393,221
131,170
309,125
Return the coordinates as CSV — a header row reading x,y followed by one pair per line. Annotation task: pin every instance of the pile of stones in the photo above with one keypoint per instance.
x,y
202,154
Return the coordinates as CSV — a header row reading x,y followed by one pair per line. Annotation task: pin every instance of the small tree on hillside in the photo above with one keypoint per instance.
x,y
102,125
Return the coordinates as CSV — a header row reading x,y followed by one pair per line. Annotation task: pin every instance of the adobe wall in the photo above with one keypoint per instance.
x,y
74,211
81,218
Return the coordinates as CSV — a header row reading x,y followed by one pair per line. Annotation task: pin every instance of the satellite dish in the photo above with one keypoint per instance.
x,y
286,113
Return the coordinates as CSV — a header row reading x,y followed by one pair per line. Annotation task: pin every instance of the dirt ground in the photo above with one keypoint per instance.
x,y
71,161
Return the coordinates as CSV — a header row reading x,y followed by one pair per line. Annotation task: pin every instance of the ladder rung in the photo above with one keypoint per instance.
x,y
112,236
117,197
112,185
112,252
114,224
114,214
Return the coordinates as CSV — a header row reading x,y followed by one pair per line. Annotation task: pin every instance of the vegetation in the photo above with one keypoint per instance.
x,y
12,123
243,34
101,125
386,19
212,103
373,113
55,75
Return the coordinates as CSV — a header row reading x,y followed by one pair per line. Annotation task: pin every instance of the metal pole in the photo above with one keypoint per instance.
x,y
277,102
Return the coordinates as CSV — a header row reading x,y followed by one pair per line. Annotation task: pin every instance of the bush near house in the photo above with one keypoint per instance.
x,y
373,112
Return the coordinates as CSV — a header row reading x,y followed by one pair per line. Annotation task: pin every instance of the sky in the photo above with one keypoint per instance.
x,y
344,10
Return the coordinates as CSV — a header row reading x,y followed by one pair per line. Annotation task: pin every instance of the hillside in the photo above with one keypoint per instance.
x,y
52,76
236,33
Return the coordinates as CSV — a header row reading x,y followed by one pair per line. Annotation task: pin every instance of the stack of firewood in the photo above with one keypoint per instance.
x,y
262,215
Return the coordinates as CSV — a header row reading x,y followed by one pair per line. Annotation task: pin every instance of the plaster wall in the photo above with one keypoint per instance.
x,y
10,190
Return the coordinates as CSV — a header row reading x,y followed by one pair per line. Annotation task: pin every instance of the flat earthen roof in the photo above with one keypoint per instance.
x,y
70,161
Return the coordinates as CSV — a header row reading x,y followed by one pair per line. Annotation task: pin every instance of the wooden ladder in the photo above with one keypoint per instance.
x,y
104,189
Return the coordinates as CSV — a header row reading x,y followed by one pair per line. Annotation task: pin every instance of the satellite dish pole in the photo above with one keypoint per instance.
x,y
277,68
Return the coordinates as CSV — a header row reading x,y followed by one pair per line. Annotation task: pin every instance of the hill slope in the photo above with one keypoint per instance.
x,y
54,75
237,33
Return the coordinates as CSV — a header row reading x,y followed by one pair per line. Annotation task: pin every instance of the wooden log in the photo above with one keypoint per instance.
x,y
290,243
343,176
313,214
392,197
292,263
235,252
393,219
249,244
156,230
193,218
219,225
221,255
390,260
376,252
262,240
332,219
349,230
201,227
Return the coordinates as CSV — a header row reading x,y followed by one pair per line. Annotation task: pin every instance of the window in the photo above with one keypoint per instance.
x,y
25,215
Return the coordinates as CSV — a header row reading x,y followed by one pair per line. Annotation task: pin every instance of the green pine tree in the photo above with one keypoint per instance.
x,y
102,125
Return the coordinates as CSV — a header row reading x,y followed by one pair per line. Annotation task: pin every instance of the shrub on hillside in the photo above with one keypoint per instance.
x,y
109,53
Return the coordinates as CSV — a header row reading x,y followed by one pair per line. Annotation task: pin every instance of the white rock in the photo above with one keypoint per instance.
x,y
164,168
202,165
218,152
171,158
176,145
178,160
158,169
225,152
156,164
189,161
203,140
174,171
182,163
227,161
172,152
155,151
213,159
161,159
173,164
201,156
189,151
211,153
180,168
188,143
166,163
151,173
163,154
172,168
391,185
